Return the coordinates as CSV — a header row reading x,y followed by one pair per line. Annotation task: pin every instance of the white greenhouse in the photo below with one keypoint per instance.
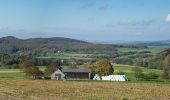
x,y
111,78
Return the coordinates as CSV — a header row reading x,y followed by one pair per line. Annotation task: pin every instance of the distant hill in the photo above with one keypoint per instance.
x,y
136,43
159,43
13,45
152,43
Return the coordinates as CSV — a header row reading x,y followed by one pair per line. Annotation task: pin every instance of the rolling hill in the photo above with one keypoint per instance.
x,y
13,45
138,43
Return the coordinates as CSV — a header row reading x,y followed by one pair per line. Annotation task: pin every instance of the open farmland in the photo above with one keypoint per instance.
x,y
128,71
11,73
151,49
68,56
21,89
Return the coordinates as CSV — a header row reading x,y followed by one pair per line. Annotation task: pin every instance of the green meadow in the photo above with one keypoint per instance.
x,y
151,49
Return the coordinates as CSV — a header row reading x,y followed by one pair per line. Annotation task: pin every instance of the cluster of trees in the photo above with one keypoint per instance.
x,y
166,69
132,58
157,61
12,61
146,59
30,69
72,62
138,73
102,67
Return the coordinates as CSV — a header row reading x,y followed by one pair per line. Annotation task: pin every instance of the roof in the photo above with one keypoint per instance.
x,y
77,70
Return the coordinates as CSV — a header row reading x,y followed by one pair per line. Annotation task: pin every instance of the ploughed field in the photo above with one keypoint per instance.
x,y
25,89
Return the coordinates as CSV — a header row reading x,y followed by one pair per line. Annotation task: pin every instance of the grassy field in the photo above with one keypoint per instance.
x,y
11,73
22,89
152,49
128,71
68,56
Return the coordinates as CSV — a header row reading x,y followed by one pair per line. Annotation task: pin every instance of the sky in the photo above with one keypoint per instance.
x,y
91,20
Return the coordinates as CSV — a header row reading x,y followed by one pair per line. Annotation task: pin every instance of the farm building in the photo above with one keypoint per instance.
x,y
71,74
77,73
58,75
111,78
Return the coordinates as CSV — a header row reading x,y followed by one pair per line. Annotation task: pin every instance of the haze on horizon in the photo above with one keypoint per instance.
x,y
100,20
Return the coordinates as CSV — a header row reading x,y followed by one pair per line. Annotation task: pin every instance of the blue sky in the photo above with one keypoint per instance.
x,y
92,20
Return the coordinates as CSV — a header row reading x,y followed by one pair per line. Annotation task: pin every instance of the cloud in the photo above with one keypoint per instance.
x,y
168,18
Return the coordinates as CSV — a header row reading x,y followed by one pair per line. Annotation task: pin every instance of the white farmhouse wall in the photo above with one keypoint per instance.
x,y
57,72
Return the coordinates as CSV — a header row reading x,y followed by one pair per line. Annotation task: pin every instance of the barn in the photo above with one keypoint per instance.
x,y
77,73
58,75
71,74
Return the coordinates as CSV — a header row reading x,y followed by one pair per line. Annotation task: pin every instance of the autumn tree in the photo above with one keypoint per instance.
x,y
103,67
30,69
166,70
52,67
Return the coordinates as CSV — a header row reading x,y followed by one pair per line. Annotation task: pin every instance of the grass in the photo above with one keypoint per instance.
x,y
22,89
152,49
67,56
12,75
77,54
128,71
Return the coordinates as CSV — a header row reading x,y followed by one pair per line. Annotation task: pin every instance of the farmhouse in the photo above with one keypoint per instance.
x,y
71,74
58,75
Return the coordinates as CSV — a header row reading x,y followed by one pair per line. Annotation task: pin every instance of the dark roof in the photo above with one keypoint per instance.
x,y
77,70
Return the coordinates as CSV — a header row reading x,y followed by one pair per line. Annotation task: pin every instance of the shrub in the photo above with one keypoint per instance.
x,y
138,73
150,75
